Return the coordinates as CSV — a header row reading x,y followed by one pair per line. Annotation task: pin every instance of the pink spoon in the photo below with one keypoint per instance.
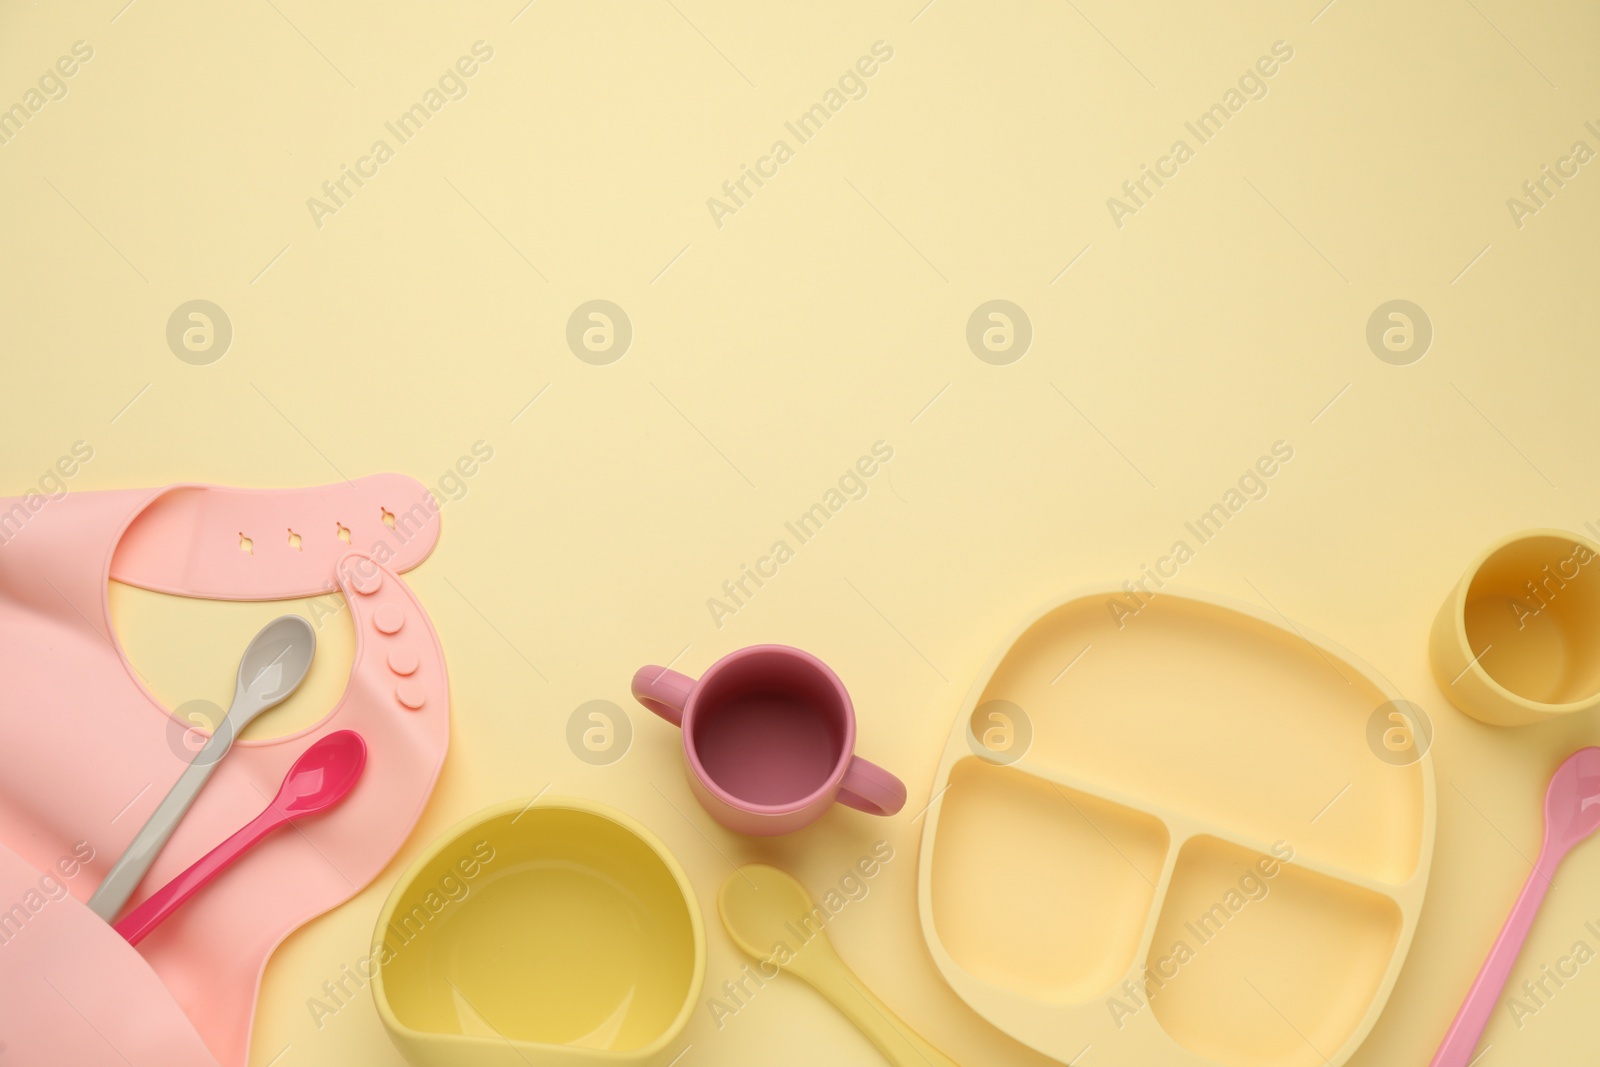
x,y
319,779
1571,813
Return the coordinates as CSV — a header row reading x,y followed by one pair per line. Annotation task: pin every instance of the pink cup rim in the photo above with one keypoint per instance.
x,y
846,749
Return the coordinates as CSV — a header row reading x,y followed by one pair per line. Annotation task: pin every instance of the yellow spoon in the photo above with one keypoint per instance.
x,y
770,916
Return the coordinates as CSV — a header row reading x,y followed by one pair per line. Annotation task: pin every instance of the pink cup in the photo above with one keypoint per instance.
x,y
768,736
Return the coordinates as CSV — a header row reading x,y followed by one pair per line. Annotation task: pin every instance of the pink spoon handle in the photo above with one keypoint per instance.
x,y
166,900
1461,1040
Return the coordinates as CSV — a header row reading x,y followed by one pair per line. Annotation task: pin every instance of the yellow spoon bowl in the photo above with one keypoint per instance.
x,y
771,917
551,933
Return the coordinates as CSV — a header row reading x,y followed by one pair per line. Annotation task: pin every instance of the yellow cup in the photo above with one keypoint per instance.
x,y
555,933
1518,639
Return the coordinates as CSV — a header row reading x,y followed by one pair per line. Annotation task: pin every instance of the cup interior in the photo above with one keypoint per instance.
x,y
553,925
1532,616
770,728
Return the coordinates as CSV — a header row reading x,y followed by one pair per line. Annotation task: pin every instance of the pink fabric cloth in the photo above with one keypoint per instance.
x,y
86,753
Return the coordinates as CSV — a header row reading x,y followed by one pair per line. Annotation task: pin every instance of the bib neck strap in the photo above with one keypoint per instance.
x,y
220,543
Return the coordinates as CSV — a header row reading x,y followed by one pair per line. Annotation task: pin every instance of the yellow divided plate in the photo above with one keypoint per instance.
x,y
1194,834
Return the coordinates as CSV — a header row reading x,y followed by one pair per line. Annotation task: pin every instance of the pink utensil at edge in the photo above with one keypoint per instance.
x,y
1571,813
322,777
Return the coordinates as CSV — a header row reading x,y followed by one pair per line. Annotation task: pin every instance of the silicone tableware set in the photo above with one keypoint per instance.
x,y
558,931
1125,846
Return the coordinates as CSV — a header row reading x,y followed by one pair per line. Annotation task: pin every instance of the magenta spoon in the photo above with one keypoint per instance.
x,y
1571,813
319,779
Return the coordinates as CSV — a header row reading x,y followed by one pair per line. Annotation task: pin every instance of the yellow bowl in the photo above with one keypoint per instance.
x,y
552,933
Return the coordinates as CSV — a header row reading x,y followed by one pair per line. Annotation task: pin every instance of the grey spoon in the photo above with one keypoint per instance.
x,y
273,666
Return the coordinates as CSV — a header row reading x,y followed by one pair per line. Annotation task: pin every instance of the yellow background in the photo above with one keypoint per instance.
x,y
825,315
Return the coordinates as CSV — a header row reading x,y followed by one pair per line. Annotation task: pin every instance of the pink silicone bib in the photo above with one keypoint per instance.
x,y
86,754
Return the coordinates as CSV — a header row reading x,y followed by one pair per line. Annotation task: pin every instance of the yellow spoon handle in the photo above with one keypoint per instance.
x,y
899,1044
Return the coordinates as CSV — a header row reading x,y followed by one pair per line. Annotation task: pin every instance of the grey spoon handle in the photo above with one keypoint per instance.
x,y
130,868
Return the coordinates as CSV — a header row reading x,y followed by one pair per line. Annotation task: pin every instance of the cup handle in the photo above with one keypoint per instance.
x,y
868,787
663,691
